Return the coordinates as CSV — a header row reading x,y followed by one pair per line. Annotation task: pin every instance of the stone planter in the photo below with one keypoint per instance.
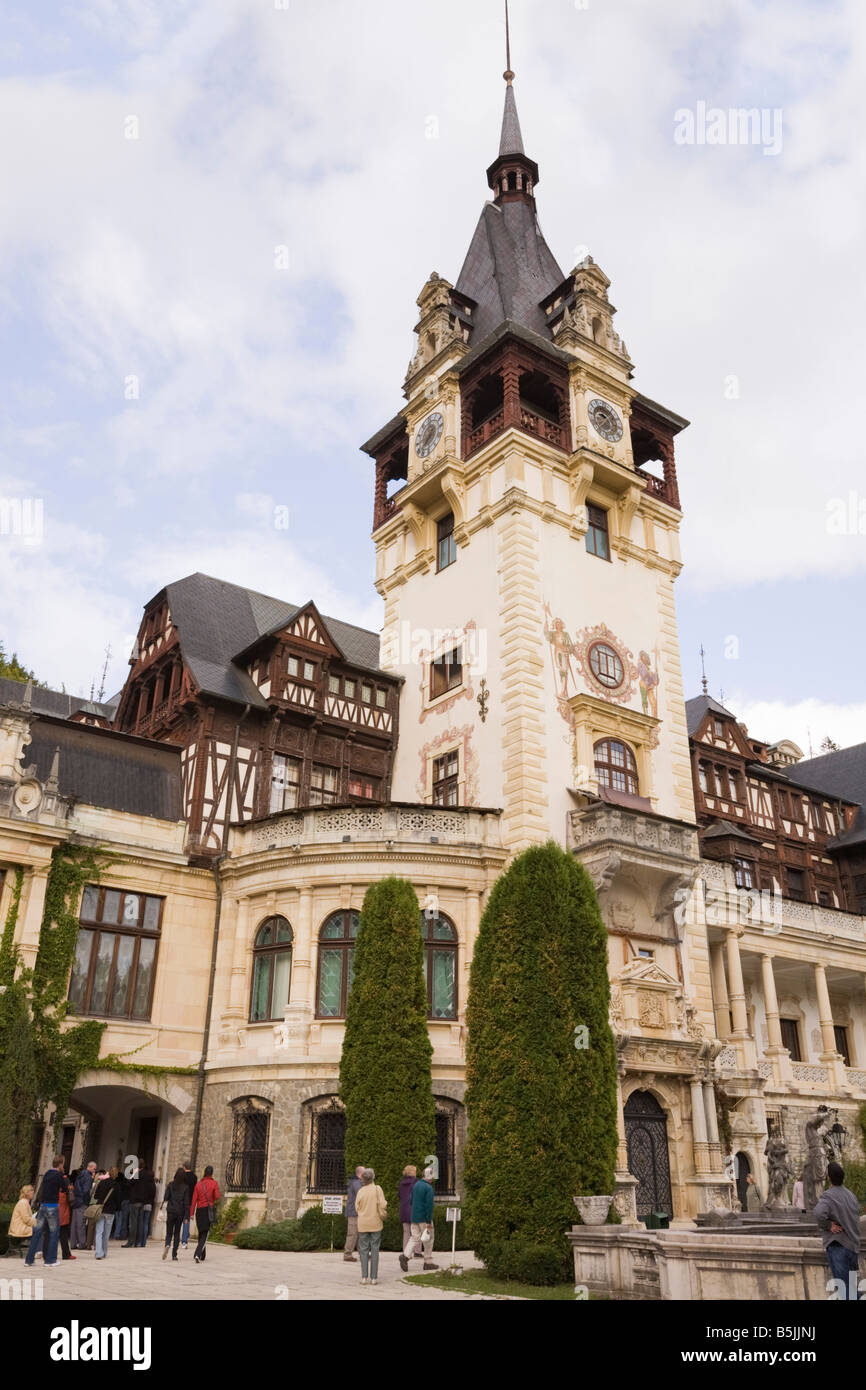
x,y
593,1210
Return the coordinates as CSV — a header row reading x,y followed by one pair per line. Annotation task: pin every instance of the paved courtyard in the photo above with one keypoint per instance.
x,y
226,1274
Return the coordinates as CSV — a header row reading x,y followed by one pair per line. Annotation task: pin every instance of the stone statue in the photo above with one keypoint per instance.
x,y
814,1175
779,1170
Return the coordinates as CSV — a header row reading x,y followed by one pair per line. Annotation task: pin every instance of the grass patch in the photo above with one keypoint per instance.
x,y
479,1281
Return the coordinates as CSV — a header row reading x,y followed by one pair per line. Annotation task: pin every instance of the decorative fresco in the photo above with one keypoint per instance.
x,y
473,651
452,738
597,659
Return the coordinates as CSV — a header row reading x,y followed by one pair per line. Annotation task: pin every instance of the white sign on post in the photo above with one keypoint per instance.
x,y
332,1206
452,1214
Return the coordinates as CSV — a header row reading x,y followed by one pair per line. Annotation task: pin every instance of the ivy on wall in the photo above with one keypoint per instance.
x,y
40,1059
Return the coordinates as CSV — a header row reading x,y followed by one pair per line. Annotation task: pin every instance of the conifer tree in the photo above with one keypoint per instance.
x,y
542,1105
385,1078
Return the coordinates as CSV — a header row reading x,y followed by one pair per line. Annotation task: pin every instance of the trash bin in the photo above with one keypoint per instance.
x,y
657,1221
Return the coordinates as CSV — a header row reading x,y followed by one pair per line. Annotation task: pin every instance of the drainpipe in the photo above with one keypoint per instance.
x,y
215,870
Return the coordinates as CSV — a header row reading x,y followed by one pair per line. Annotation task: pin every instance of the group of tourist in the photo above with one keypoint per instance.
x,y
366,1209
81,1211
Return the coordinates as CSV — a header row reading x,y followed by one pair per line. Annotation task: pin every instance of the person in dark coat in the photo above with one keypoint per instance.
x,y
53,1183
141,1198
404,1194
82,1186
176,1201
190,1179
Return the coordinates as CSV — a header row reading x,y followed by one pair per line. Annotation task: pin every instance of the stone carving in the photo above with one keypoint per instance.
x,y
814,1174
780,1171
650,1012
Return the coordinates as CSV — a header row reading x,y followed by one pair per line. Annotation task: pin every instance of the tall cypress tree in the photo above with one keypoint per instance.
x,y
542,1110
385,1078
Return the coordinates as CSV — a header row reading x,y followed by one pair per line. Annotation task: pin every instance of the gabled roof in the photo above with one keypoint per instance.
x,y
217,622
841,774
698,709
721,829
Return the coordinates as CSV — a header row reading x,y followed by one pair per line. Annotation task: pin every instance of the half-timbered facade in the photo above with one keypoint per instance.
x,y
274,706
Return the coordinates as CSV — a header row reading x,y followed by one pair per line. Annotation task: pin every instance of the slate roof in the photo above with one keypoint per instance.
x,y
509,269
216,621
511,140
841,774
53,702
108,769
698,708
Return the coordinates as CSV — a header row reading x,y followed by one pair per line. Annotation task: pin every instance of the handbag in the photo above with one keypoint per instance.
x,y
211,1215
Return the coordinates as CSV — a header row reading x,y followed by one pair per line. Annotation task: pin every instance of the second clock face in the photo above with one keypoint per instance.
x,y
428,434
605,420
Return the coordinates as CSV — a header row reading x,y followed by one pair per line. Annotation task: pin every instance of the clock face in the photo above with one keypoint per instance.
x,y
605,420
428,435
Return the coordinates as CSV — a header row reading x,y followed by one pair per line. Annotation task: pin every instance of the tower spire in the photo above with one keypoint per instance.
x,y
703,670
512,176
508,74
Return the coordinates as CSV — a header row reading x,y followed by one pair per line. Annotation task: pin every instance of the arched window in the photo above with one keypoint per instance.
x,y
336,963
246,1170
326,1168
272,970
615,766
440,966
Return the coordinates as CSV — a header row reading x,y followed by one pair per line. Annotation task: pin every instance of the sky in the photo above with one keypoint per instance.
x,y
216,218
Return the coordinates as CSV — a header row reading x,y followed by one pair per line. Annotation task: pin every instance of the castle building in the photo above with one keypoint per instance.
x,y
266,763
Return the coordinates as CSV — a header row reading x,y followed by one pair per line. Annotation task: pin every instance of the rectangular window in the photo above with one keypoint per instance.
x,y
367,787
115,953
791,1037
717,778
309,671
367,694
796,881
349,689
285,783
446,672
334,685
446,547
718,728
702,777
732,786
644,954
381,698
743,875
446,779
597,536
841,1035
324,785
293,665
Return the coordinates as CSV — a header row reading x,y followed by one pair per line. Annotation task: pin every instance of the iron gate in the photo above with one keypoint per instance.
x,y
327,1167
246,1169
646,1137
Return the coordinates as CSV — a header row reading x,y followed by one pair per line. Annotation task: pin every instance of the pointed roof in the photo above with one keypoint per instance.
x,y
512,139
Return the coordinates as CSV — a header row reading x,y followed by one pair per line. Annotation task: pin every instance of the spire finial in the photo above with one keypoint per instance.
x,y
703,670
508,74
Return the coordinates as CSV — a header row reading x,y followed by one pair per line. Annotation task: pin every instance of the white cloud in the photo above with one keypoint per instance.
x,y
807,722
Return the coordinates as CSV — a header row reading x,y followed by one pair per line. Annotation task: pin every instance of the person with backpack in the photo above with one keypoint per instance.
x,y
176,1201
80,1195
205,1196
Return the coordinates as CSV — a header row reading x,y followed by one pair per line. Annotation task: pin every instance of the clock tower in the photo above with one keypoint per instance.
x,y
526,530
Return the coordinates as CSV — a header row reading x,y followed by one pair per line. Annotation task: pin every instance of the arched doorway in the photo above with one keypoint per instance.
x,y
646,1137
742,1169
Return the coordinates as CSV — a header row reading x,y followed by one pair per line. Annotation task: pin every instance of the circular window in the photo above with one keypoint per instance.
x,y
606,665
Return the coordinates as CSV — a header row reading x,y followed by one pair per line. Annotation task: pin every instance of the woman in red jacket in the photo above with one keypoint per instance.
x,y
205,1196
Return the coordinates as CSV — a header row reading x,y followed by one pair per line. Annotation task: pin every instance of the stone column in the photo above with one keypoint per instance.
x,y
825,1014
301,1007
771,1002
738,988
699,1125
30,910
721,1003
710,1112
625,1184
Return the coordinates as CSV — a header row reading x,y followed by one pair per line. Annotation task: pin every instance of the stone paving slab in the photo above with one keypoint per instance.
x,y
263,1275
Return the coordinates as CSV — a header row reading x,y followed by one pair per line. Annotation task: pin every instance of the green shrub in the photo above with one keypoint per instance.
x,y
229,1217
276,1235
385,1078
519,1261
542,1110
319,1226
855,1178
